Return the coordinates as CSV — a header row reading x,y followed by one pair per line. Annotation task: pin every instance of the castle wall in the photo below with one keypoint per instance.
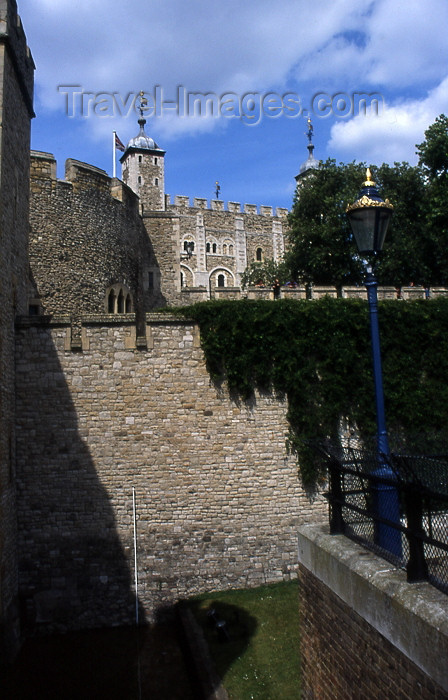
x,y
218,500
226,239
16,96
87,235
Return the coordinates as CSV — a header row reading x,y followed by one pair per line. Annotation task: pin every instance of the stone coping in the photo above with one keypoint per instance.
x,y
152,318
412,616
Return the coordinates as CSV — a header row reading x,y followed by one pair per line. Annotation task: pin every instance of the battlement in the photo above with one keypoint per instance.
x,y
183,202
13,35
79,175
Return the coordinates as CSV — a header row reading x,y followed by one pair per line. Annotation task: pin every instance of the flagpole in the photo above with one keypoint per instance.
x,y
114,164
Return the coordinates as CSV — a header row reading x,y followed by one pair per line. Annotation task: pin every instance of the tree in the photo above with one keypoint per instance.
x,y
322,250
433,159
407,255
265,274
433,152
322,247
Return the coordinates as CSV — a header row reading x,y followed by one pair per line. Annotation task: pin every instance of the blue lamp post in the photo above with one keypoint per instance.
x,y
369,217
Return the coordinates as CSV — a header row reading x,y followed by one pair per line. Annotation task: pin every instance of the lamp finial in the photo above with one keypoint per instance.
x,y
369,182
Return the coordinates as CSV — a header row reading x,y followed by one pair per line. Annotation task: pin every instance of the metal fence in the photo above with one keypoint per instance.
x,y
397,507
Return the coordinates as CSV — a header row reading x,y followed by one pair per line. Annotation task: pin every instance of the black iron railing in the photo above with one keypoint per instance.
x,y
400,513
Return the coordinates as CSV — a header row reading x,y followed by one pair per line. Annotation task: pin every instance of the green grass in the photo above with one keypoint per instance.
x,y
261,658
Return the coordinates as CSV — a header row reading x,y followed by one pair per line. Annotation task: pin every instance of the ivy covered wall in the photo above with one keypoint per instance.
x,y
318,354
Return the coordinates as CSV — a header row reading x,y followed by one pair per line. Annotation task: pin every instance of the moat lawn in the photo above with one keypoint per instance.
x,y
256,653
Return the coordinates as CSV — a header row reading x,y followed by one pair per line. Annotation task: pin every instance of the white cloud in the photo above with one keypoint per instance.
x,y
393,47
225,46
394,43
393,135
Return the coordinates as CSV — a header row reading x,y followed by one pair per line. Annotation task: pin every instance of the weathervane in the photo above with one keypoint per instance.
x,y
218,189
309,133
142,102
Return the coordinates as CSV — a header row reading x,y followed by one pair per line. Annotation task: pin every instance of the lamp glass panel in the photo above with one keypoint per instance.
x,y
369,227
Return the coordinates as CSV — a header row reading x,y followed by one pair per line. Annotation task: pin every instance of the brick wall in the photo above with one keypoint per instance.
x,y
218,499
365,632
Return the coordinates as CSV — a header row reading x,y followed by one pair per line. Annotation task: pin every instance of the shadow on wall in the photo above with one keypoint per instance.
x,y
74,567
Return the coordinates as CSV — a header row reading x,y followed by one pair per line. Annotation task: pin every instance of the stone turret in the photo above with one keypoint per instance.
x,y
310,163
143,164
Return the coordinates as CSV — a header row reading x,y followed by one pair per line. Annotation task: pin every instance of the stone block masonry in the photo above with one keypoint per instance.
x,y
218,500
86,236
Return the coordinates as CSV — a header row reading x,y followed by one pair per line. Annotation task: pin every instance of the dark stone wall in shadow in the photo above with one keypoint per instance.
x,y
74,571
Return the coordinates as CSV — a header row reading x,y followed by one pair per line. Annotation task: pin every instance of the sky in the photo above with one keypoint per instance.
x,y
230,85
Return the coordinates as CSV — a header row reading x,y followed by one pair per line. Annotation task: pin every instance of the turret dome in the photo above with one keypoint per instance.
x,y
142,140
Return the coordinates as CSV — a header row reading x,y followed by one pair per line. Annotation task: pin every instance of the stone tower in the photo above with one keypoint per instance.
x,y
16,111
143,164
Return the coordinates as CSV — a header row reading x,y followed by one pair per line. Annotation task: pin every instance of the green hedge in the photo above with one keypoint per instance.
x,y
318,355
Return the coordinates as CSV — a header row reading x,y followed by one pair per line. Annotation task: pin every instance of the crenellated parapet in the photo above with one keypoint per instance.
x,y
183,202
89,249
80,177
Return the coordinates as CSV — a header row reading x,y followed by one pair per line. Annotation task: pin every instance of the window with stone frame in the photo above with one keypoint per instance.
x,y
119,300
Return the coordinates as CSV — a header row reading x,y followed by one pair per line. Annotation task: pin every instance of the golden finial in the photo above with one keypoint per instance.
x,y
369,182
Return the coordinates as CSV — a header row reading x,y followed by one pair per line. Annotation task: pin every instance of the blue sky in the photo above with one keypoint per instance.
x,y
249,56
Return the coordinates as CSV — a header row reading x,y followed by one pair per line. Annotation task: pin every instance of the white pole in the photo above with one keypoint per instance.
x,y
135,556
114,160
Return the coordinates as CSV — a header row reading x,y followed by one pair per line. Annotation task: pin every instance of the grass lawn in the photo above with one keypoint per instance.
x,y
260,660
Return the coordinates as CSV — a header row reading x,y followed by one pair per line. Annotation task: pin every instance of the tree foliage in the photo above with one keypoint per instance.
x,y
265,274
322,249
433,159
433,152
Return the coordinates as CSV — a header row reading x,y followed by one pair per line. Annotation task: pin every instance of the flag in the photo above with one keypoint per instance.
x,y
119,144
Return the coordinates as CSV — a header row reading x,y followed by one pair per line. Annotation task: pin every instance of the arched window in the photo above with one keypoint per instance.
x,y
139,159
224,249
156,181
189,247
139,179
207,248
214,247
221,280
155,160
119,300
259,254
230,249
111,302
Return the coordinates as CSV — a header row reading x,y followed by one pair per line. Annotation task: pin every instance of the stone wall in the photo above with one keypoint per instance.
x,y
16,98
86,236
366,632
218,499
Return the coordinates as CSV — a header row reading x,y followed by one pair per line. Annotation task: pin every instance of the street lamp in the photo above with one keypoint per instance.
x,y
369,217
